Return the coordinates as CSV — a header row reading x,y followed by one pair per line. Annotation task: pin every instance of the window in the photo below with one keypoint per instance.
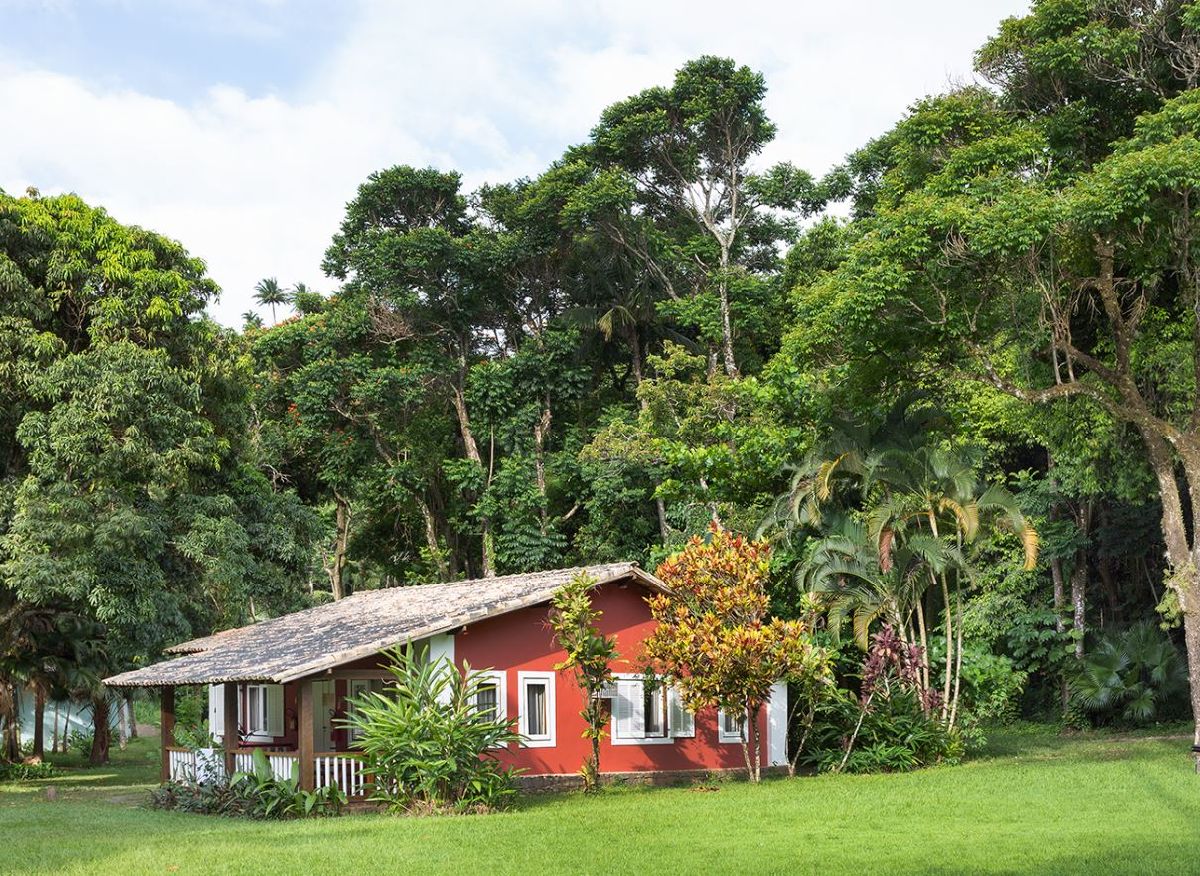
x,y
654,712
256,710
491,698
732,726
536,704
356,688
648,716
263,704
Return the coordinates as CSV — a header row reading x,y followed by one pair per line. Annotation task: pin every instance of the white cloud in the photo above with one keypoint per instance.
x,y
255,184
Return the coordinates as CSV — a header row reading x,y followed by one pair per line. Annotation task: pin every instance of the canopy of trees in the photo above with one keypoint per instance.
x,y
954,382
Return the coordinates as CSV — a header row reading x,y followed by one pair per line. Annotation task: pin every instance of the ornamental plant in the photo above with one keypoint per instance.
x,y
714,638
425,741
589,653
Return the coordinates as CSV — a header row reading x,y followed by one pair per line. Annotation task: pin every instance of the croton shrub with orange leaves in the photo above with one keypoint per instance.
x,y
715,639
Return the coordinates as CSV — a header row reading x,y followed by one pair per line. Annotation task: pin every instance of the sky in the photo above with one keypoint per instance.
x,y
242,129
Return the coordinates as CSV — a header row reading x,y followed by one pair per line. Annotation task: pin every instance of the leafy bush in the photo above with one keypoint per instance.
x,y
1135,676
254,794
426,744
890,725
26,772
991,683
896,735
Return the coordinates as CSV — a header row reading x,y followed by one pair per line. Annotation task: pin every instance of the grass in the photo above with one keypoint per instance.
x,y
1034,802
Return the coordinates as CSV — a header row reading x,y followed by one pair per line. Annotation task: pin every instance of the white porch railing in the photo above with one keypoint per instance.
x,y
283,763
182,764
345,771
330,768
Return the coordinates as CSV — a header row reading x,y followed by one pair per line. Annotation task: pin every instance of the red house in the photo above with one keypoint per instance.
x,y
282,684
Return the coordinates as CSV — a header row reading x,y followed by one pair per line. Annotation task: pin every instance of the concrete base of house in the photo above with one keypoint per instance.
x,y
571,781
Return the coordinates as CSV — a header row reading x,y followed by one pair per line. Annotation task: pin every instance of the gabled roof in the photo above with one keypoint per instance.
x,y
285,648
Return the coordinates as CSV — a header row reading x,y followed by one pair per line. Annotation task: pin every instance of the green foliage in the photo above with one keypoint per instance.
x,y
28,772
426,744
590,654
1135,676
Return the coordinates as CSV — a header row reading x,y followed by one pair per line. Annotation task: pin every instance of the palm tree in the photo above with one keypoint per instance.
x,y
923,507
250,320
860,584
933,491
1137,671
269,292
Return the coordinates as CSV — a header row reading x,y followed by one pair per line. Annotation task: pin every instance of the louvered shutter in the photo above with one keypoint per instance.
x,y
274,709
627,710
216,710
682,722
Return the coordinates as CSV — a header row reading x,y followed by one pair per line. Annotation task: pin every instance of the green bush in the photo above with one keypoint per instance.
x,y
991,684
26,772
1134,676
895,736
426,745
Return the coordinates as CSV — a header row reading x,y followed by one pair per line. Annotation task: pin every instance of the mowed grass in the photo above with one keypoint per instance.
x,y
1034,802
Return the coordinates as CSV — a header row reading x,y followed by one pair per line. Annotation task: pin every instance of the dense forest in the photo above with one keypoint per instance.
x,y
953,382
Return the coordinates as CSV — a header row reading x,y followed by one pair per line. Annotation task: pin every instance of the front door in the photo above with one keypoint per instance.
x,y
323,706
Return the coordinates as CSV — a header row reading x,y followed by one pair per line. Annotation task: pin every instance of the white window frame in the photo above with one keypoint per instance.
x,y
672,733
726,738
355,687
500,680
547,739
257,725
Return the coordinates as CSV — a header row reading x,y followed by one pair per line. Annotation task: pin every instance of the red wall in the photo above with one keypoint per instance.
x,y
522,640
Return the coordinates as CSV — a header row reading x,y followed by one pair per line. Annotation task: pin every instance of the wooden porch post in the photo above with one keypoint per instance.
x,y
166,723
304,734
229,733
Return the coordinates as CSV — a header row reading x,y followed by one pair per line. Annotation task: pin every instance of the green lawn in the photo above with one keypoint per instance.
x,y
1034,802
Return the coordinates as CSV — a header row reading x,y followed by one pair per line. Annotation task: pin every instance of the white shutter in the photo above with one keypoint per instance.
x,y
627,710
682,722
216,710
274,707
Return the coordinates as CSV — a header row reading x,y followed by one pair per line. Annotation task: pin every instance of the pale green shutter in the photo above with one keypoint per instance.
x,y
274,707
216,709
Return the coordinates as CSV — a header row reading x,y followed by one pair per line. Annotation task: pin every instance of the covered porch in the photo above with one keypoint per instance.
x,y
315,749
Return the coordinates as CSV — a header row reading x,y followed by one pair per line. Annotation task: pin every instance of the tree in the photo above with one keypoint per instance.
x,y
682,155
128,512
714,639
269,293
589,652
1043,240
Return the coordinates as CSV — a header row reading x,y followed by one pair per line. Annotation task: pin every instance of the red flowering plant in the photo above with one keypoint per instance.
x,y
715,640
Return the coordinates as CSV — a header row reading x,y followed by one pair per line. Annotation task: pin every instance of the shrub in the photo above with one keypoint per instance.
x,y
27,772
1135,676
890,725
254,794
426,744
992,686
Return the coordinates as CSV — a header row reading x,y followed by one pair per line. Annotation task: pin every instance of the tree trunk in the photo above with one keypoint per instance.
x,y
541,429
39,722
431,539
471,448
1079,577
1056,574
1184,579
10,722
660,507
100,724
337,567
726,319
133,734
